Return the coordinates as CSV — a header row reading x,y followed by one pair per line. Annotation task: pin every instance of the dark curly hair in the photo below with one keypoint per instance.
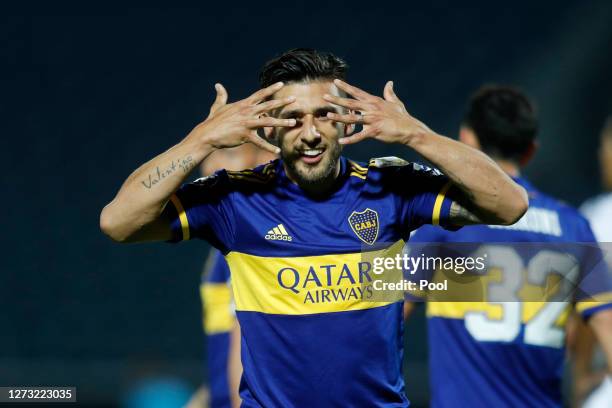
x,y
504,120
302,65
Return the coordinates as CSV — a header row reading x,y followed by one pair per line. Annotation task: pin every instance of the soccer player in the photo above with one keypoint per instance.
x,y
598,211
220,326
293,231
509,352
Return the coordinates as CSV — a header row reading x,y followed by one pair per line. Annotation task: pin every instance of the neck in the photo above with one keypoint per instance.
x,y
509,167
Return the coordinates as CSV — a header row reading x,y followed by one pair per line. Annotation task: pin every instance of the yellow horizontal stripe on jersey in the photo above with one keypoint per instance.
x,y
435,218
458,310
182,216
217,303
597,300
465,294
307,285
355,174
493,311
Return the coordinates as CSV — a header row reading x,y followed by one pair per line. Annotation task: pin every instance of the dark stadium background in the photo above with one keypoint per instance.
x,y
90,93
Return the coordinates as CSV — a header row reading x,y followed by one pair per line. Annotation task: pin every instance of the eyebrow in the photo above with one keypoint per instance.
x,y
300,112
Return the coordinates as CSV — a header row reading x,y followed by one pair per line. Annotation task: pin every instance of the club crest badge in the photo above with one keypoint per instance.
x,y
365,225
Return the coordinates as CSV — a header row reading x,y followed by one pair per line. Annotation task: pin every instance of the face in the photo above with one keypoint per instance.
x,y
310,150
605,159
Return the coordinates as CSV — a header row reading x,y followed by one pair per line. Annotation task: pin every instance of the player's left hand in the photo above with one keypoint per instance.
x,y
385,119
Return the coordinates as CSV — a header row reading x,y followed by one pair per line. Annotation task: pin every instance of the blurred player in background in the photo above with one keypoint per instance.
x,y
592,383
598,210
222,331
510,353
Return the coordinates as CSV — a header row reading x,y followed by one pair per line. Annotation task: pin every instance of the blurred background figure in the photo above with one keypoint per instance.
x,y
223,368
592,383
509,349
598,210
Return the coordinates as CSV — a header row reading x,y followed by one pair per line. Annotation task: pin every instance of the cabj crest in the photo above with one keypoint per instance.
x,y
365,225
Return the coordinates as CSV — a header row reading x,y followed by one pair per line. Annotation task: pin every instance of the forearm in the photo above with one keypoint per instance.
x,y
580,344
234,366
601,323
581,350
408,309
489,192
145,193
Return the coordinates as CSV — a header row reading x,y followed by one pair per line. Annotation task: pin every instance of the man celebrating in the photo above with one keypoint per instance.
x,y
292,231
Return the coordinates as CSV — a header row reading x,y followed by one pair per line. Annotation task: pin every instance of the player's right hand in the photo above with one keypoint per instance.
x,y
233,124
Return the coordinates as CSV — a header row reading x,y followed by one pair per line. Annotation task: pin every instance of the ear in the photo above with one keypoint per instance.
x,y
468,137
528,155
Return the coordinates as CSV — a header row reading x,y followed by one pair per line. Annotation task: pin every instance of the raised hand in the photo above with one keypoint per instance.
x,y
229,125
385,119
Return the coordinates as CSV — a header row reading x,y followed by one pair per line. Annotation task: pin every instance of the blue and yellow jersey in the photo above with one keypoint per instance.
x,y
219,320
310,337
511,353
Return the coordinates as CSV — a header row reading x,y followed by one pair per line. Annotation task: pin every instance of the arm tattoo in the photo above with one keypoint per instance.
x,y
459,215
186,165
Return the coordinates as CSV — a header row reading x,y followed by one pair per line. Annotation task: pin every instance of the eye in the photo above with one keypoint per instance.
x,y
322,115
297,117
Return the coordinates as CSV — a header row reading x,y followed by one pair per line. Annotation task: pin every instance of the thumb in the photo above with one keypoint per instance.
x,y
220,100
389,94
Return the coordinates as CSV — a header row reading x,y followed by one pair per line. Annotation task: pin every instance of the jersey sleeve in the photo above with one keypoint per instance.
x,y
594,289
203,209
425,195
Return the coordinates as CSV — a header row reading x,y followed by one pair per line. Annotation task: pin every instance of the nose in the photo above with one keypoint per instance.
x,y
310,134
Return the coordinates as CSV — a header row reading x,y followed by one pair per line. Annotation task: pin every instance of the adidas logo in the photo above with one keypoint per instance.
x,y
279,233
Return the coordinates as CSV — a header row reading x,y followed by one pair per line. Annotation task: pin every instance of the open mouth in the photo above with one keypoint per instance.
x,y
311,156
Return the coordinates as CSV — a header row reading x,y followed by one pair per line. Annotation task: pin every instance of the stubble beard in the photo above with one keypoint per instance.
x,y
312,177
